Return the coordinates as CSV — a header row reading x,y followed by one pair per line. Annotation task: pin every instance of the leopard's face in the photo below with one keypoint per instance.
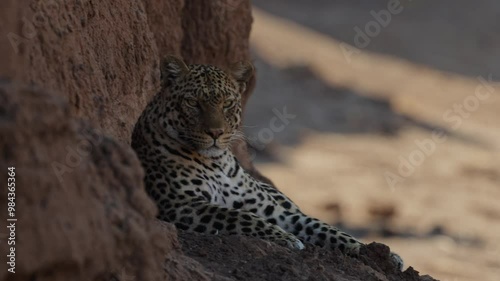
x,y
203,111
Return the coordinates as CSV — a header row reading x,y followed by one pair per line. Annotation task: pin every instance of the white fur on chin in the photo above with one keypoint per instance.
x,y
211,152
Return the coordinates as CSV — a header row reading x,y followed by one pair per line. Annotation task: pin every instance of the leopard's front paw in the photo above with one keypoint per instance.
x,y
397,260
290,241
351,248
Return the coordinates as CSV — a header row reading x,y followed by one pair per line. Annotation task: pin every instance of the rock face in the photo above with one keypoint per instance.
x,y
78,198
252,259
75,77
99,54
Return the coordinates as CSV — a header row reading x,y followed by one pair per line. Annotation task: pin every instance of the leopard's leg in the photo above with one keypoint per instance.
x,y
190,210
280,210
283,212
204,217
319,233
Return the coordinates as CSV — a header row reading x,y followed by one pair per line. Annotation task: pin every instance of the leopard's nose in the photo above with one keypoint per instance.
x,y
215,133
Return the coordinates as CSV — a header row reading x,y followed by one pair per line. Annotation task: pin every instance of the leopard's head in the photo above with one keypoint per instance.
x,y
203,108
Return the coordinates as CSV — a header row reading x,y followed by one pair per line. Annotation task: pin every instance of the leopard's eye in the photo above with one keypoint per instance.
x,y
191,102
228,103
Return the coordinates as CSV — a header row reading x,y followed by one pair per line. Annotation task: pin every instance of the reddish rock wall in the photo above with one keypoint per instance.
x,y
81,209
99,54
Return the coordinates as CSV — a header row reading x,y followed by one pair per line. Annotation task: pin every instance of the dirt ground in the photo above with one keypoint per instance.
x,y
397,141
251,259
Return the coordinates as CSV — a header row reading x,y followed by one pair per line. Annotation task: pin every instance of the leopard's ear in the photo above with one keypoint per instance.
x,y
171,68
242,71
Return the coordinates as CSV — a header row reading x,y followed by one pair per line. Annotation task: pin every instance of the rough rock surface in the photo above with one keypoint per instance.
x,y
81,209
254,259
76,75
100,54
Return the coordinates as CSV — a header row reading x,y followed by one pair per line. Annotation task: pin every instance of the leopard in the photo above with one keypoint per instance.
x,y
183,139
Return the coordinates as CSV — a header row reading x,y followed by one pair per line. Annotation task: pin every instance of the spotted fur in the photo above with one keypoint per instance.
x,y
183,140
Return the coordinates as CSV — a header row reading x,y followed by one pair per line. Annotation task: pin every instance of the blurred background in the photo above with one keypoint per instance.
x,y
383,117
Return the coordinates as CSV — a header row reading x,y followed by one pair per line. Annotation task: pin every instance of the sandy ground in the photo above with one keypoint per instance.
x,y
398,142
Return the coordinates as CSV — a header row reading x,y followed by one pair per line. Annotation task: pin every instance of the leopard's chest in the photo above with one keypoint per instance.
x,y
224,188
221,182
